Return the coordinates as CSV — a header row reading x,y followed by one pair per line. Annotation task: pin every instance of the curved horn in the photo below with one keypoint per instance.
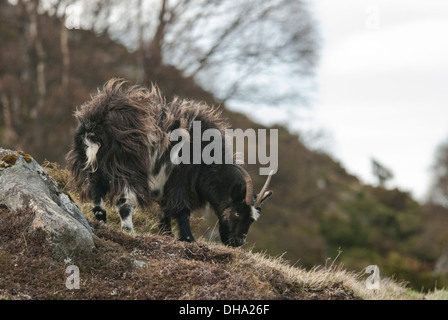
x,y
249,186
263,190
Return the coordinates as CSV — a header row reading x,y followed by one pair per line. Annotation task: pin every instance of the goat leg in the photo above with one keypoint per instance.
x,y
183,220
125,206
97,191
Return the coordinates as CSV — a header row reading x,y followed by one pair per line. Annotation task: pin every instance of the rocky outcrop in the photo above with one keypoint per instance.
x,y
24,183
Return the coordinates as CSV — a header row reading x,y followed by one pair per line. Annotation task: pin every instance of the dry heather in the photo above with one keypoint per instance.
x,y
159,267
152,266
143,267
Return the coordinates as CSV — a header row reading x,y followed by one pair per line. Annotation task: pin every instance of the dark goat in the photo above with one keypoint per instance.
x,y
121,152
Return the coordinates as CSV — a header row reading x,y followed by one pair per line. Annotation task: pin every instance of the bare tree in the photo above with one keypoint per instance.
x,y
249,50
234,49
61,8
382,173
30,65
37,52
10,133
18,64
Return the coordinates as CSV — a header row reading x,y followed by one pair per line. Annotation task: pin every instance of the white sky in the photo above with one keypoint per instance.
x,y
383,86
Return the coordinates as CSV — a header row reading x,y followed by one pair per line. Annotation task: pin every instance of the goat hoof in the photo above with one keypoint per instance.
x,y
187,239
128,229
100,215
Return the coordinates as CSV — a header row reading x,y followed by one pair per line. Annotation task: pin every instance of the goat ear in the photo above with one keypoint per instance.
x,y
266,195
238,192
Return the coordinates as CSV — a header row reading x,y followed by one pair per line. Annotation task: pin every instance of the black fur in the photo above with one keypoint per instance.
x,y
132,125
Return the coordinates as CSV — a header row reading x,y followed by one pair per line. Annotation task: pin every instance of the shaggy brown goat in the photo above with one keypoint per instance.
x,y
121,152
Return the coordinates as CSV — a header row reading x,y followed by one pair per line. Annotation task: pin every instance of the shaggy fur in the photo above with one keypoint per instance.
x,y
135,124
121,152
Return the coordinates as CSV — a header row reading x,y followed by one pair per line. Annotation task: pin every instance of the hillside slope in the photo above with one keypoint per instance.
x,y
158,267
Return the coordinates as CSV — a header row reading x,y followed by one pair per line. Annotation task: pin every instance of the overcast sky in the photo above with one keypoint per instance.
x,y
383,86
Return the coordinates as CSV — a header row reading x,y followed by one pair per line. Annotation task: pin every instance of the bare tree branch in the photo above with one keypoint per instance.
x,y
202,38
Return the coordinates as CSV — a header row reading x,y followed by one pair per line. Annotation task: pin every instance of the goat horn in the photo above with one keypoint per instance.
x,y
263,190
249,186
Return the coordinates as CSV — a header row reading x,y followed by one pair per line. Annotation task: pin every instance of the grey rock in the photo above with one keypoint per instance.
x,y
26,184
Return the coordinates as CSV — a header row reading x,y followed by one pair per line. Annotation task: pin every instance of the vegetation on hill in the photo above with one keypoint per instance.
x,y
147,266
144,267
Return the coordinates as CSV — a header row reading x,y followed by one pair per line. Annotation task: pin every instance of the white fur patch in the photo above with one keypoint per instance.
x,y
101,205
130,197
131,200
255,214
91,151
126,223
157,182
